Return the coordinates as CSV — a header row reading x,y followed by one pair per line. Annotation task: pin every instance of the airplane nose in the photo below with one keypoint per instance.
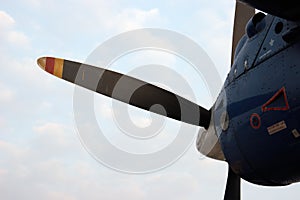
x,y
51,65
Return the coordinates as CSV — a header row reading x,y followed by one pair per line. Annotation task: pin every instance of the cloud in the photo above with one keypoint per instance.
x,y
134,18
92,19
103,107
6,94
218,26
6,21
11,150
113,16
58,177
2,122
183,185
54,139
50,128
8,34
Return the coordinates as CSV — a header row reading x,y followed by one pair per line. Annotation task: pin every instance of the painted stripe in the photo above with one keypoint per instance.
x,y
58,67
50,65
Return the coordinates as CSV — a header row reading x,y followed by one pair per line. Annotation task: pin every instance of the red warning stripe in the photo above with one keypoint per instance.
x,y
50,65
282,91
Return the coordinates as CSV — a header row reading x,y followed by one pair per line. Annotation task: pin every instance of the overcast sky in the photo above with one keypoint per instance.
x,y
41,154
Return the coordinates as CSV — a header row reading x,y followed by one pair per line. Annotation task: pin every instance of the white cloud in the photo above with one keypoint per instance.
x,y
218,31
134,18
2,122
111,15
58,177
103,107
17,38
55,138
6,93
8,34
51,131
6,21
11,150
183,185
33,3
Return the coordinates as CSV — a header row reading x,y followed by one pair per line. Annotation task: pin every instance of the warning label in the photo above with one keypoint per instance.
x,y
277,127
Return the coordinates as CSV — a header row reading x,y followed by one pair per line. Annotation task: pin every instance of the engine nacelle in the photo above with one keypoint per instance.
x,y
257,115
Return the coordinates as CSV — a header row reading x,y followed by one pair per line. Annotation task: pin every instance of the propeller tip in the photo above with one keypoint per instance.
x,y
42,62
51,65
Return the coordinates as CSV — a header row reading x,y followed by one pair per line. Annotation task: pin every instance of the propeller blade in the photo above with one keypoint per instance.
x,y
233,186
243,14
127,89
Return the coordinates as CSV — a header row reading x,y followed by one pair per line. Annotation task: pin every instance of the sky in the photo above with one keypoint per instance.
x,y
41,152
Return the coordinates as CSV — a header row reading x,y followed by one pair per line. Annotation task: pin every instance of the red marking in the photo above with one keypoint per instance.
x,y
265,107
255,121
50,65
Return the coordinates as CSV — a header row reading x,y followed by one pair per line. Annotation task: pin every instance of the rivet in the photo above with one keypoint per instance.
x,y
246,64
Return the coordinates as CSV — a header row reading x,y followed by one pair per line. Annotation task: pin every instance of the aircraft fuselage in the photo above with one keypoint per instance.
x,y
257,115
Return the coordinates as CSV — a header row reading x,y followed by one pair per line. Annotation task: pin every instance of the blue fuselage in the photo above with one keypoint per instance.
x,y
260,133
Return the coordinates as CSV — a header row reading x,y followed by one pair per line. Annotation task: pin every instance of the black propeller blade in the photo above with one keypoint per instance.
x,y
128,90
233,186
145,95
